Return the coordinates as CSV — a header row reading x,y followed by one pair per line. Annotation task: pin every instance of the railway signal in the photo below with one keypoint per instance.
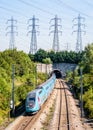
x,y
12,105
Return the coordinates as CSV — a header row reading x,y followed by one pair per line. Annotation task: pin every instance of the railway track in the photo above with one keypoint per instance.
x,y
59,119
63,117
27,121
63,120
67,106
62,114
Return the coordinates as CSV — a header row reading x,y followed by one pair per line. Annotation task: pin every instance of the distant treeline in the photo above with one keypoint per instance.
x,y
56,57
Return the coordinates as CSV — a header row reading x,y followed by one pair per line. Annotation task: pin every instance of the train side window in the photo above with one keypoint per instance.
x,y
40,92
47,87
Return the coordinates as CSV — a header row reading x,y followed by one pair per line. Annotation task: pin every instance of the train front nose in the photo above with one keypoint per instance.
x,y
31,104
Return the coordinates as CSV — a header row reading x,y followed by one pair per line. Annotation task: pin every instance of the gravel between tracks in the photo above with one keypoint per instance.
x,y
76,123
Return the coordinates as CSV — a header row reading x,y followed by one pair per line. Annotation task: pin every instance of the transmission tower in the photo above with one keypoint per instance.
x,y
55,46
12,32
79,32
33,44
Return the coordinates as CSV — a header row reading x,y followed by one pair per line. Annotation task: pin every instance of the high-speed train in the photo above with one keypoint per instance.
x,y
37,97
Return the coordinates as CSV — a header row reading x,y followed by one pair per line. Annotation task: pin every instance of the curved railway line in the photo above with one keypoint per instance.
x,y
27,121
64,115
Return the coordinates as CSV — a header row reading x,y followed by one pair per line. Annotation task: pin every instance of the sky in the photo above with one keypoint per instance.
x,y
45,10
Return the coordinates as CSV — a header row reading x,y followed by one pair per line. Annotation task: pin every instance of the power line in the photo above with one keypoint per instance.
x,y
55,46
36,7
88,3
73,9
11,10
33,44
79,32
12,32
6,9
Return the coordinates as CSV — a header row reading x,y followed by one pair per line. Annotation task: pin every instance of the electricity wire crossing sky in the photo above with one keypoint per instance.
x,y
45,10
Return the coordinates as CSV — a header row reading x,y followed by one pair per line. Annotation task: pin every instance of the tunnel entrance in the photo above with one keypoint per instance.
x,y
57,73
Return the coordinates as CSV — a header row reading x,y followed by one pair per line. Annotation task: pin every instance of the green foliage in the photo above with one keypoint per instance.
x,y
58,57
40,55
87,66
23,68
47,61
31,57
42,77
51,55
24,78
87,81
22,91
87,60
4,93
88,102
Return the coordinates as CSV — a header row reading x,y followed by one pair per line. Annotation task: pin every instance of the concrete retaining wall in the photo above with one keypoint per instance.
x,y
47,68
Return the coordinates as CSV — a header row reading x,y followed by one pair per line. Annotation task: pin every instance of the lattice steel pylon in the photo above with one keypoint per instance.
x,y
12,32
79,31
33,44
55,46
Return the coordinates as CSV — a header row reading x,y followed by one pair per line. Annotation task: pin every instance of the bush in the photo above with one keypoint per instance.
x,y
88,102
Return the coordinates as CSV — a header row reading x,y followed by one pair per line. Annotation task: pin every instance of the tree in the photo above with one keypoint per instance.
x,y
87,60
47,61
40,55
52,55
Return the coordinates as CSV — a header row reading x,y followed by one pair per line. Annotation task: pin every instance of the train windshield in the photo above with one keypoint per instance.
x,y
32,99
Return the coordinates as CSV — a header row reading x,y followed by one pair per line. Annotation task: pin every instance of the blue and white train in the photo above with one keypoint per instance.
x,y
37,97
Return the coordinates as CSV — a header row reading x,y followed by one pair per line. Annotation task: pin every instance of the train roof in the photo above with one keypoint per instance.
x,y
34,91
41,85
